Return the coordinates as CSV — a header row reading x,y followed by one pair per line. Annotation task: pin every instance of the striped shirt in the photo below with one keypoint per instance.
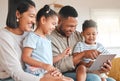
x,y
82,46
59,44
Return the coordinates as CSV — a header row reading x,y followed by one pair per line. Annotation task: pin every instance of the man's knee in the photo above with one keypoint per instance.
x,y
93,77
110,79
71,75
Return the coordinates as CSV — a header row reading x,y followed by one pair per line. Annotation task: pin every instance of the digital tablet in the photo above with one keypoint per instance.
x,y
102,58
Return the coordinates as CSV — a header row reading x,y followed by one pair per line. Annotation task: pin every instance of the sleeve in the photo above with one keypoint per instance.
x,y
102,49
77,48
10,61
30,41
65,64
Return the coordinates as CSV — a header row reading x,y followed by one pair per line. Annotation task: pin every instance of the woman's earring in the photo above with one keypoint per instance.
x,y
17,20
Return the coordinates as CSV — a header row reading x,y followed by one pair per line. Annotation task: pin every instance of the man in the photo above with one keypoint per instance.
x,y
65,35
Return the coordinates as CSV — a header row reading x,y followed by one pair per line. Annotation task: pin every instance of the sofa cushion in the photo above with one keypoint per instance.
x,y
115,70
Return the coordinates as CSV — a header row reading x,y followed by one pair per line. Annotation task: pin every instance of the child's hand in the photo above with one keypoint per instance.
x,y
49,67
66,52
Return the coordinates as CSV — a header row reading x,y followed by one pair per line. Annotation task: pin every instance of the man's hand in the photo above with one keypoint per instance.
x,y
93,54
77,57
106,67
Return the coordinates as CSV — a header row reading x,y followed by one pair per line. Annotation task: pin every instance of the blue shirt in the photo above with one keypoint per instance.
x,y
42,51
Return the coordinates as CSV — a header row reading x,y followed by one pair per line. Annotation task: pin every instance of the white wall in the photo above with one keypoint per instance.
x,y
3,12
82,6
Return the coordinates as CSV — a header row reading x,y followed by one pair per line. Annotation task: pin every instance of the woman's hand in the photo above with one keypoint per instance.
x,y
56,72
52,70
49,77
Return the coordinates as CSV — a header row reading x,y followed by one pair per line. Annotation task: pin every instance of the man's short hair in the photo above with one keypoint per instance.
x,y
68,11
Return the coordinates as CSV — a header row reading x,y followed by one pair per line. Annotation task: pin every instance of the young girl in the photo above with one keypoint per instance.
x,y
89,32
37,51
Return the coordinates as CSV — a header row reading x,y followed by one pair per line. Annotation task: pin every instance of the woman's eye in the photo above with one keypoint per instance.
x,y
32,16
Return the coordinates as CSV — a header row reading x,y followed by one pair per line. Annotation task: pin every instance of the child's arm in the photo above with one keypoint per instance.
x,y
65,53
26,57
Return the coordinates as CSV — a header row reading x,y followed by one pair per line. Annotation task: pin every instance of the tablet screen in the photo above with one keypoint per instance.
x,y
98,63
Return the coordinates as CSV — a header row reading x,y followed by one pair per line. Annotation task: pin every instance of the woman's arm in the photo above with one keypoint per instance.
x,y
10,61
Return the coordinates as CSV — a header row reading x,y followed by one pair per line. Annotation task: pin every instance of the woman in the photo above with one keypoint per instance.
x,y
21,18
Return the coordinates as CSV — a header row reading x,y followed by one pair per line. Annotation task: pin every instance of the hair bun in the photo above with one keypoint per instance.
x,y
46,8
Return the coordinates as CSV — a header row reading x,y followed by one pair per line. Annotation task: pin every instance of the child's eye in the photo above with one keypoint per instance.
x,y
88,33
94,33
55,24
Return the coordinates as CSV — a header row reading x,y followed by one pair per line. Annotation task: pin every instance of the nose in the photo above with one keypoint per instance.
x,y
72,29
91,36
33,20
53,27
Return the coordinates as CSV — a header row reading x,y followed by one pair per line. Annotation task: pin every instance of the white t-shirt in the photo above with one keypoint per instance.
x,y
10,57
82,46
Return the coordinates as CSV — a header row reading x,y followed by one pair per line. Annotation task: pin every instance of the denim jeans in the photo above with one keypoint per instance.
x,y
110,79
90,76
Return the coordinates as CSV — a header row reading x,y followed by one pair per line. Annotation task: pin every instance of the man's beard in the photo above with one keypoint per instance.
x,y
61,31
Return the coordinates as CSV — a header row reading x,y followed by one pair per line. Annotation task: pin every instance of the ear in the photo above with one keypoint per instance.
x,y
59,20
43,20
82,36
81,33
18,14
97,33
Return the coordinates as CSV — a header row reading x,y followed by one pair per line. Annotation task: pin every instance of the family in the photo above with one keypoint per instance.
x,y
54,51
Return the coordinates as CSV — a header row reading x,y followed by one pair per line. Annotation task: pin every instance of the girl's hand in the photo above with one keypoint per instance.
x,y
66,52
49,67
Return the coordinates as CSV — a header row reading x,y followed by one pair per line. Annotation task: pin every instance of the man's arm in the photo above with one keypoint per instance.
x,y
85,54
77,58
69,63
